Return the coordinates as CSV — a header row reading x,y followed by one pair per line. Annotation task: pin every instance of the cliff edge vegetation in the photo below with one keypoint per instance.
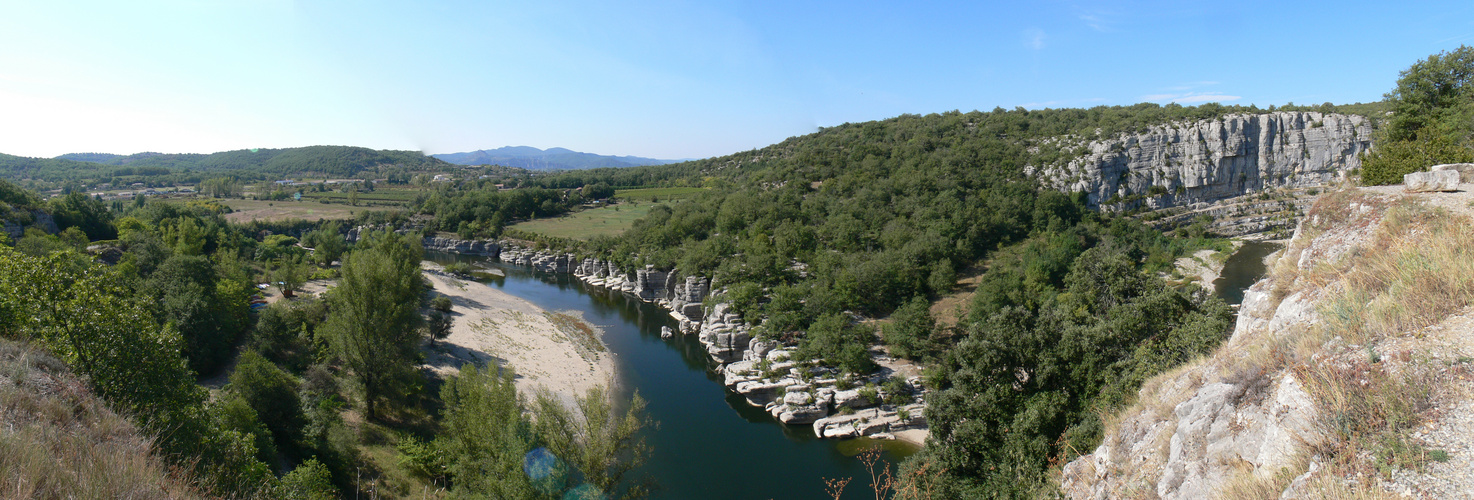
x,y
1348,367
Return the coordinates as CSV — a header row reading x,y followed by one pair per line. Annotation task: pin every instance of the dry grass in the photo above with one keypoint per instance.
x,y
1418,269
59,441
1368,412
1250,485
1408,266
581,332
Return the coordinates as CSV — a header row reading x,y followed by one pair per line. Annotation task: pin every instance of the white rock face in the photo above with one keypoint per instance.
x,y
1424,182
1212,160
1465,170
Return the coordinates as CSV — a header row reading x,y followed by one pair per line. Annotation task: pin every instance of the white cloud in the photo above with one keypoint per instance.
x,y
1200,98
1034,38
1095,22
1063,103
1191,97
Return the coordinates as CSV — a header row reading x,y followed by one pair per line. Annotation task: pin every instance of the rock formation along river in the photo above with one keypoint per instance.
x,y
710,443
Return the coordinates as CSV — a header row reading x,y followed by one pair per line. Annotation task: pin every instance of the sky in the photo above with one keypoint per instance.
x,y
662,79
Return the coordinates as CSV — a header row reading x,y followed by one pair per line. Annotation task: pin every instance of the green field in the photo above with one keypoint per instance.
x,y
606,221
248,210
381,196
663,194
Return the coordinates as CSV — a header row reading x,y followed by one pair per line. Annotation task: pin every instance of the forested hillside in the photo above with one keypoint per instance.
x,y
317,161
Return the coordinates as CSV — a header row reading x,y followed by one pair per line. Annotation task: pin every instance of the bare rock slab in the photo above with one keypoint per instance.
x,y
1423,182
1465,170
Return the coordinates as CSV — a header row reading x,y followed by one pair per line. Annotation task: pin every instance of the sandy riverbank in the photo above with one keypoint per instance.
x,y
547,349
1204,266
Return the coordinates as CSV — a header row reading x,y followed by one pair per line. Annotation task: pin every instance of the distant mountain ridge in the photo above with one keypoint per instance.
x,y
549,159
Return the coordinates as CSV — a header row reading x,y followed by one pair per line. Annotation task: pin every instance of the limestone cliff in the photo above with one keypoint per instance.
x,y
1179,164
1334,376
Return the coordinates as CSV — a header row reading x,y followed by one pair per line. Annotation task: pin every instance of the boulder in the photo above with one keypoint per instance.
x,y
1465,170
666,332
798,398
851,398
800,414
1423,182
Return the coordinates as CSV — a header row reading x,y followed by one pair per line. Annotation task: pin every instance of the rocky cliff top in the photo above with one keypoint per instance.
x,y
1348,372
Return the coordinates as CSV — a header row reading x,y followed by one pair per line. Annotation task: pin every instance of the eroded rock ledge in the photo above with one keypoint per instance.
x,y
760,371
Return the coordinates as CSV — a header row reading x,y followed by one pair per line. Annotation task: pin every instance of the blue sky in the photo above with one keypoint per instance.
x,y
664,79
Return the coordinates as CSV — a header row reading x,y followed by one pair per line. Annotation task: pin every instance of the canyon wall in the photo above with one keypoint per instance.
x,y
1178,164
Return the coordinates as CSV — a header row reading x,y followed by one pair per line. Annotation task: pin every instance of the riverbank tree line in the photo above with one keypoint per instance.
x,y
314,397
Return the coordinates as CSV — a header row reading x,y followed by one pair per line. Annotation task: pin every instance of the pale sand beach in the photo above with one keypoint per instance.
x,y
555,350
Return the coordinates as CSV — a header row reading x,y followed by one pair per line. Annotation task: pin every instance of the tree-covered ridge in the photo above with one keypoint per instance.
x,y
334,161
853,142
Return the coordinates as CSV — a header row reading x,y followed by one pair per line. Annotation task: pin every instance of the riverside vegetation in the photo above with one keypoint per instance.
x,y
324,398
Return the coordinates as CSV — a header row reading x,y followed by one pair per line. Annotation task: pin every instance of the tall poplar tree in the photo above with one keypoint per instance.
x,y
374,317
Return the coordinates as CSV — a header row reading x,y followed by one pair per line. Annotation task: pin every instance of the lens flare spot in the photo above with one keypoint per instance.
x,y
539,463
585,492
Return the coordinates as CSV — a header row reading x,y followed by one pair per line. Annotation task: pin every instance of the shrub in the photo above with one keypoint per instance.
x,y
1392,159
441,303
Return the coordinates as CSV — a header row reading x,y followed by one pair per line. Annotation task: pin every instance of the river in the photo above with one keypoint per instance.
x,y
710,443
1242,269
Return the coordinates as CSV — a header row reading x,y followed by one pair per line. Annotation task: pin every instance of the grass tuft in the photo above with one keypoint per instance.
x,y
59,441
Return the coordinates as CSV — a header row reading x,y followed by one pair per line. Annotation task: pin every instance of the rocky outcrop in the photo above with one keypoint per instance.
x,y
760,371
1180,164
1427,182
1242,414
462,247
726,337
15,226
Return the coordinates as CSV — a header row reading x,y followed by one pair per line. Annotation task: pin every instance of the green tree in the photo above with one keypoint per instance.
x,y
1432,120
272,394
1394,159
833,339
84,212
288,274
90,317
1435,98
604,444
311,480
490,437
327,243
186,289
374,323
439,325
910,330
